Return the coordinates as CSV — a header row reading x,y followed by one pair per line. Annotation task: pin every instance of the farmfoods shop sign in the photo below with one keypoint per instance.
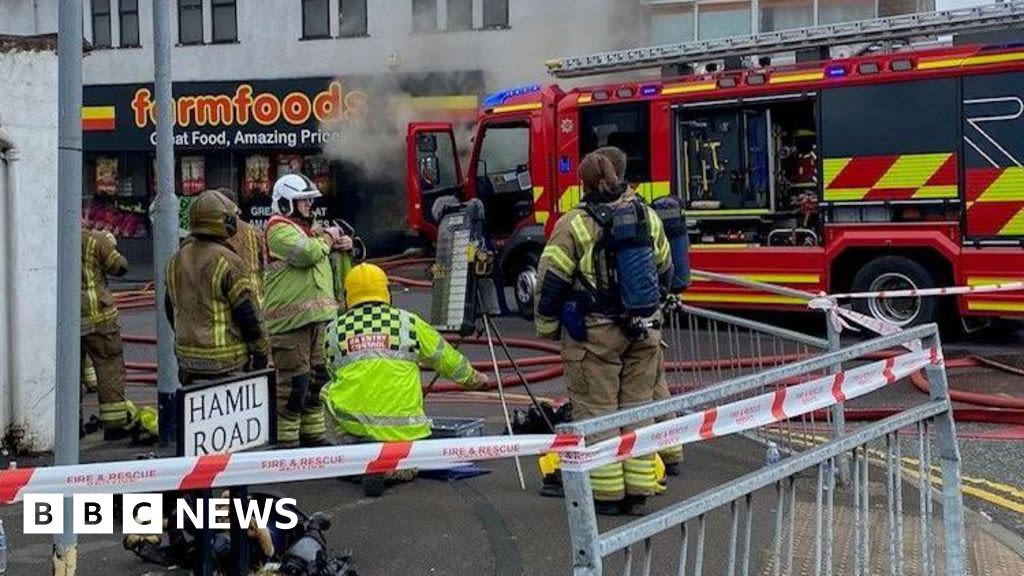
x,y
304,113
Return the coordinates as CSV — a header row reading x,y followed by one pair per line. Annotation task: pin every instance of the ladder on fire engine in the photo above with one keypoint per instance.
x,y
976,19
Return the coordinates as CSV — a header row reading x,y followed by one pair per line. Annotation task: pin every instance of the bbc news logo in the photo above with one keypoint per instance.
x,y
144,513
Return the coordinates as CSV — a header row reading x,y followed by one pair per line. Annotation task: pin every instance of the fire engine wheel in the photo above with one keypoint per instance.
x,y
891,273
525,282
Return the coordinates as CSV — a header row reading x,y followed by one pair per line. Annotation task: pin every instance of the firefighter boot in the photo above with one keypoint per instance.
x,y
373,485
289,411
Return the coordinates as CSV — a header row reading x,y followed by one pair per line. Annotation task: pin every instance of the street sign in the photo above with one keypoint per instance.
x,y
227,415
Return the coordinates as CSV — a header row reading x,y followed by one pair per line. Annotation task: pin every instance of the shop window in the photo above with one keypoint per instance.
x,y
670,24
116,194
352,18
460,15
623,126
129,15
190,21
424,15
723,20
101,24
225,21
785,14
837,11
888,8
315,19
495,13
193,175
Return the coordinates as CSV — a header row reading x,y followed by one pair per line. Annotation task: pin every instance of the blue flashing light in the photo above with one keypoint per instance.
x,y
499,98
836,72
649,90
564,165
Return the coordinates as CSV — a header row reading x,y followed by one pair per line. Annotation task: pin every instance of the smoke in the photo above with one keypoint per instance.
x,y
371,147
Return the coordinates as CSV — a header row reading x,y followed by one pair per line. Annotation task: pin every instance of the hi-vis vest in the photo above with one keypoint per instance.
x,y
299,288
374,352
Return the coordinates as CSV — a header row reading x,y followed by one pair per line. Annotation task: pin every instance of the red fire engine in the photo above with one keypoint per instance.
x,y
878,172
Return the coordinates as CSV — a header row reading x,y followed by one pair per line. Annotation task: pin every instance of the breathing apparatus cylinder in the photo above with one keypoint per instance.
x,y
670,210
632,245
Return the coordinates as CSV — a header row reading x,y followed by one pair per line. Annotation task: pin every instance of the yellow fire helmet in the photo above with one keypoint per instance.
x,y
213,215
366,283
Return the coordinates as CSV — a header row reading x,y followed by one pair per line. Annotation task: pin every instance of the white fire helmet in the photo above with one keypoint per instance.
x,y
288,189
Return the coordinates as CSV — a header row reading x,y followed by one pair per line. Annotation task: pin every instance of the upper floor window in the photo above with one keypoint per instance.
x,y
670,24
101,24
495,13
424,15
190,21
316,21
129,15
352,18
225,21
460,15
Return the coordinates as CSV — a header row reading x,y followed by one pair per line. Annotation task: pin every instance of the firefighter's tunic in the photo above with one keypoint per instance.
x,y
299,301
248,244
206,280
375,352
101,335
607,372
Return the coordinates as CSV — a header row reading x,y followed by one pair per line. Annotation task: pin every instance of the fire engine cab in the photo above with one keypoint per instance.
x,y
877,172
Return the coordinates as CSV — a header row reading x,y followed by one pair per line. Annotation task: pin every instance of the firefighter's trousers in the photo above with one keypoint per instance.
x,y
301,373
672,454
105,349
605,374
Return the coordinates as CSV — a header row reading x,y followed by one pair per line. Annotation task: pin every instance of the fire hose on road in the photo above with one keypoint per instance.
x,y
547,365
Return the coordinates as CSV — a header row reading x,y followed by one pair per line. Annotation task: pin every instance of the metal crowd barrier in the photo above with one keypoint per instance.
x,y
705,347
841,545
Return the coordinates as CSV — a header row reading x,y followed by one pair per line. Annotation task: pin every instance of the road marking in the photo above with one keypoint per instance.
x,y
971,486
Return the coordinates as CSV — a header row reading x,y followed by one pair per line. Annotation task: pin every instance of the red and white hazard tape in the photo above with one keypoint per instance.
x,y
251,468
926,292
744,415
839,315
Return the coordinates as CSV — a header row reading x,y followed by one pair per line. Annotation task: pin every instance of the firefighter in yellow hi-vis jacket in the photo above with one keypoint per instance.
x,y
210,299
101,334
672,457
599,291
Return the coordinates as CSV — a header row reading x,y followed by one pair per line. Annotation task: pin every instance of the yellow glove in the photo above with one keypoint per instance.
x,y
477,382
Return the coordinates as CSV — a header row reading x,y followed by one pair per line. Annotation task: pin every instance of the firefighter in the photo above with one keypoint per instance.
x,y
210,301
101,334
598,292
672,456
248,243
299,301
375,351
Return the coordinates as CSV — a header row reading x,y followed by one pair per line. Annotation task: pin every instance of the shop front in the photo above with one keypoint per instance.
x,y
347,135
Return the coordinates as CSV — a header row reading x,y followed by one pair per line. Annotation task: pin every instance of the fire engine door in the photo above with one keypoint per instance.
x,y
502,176
433,170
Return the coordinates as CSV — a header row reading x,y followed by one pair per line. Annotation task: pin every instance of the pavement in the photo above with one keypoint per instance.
x,y
488,525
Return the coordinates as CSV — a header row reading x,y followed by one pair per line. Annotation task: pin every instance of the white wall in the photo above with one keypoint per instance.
x,y
28,17
32,131
269,45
